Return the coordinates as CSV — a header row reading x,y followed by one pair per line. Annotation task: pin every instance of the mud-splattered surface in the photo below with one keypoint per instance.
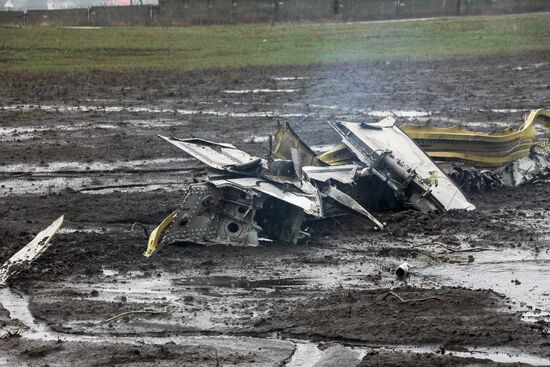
x,y
85,145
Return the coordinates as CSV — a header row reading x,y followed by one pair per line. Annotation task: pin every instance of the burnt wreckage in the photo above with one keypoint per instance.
x,y
240,199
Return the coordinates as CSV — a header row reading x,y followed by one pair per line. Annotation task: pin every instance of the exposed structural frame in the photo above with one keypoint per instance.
x,y
241,199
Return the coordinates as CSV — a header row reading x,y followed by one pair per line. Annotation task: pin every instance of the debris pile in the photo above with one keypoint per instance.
x,y
511,157
240,199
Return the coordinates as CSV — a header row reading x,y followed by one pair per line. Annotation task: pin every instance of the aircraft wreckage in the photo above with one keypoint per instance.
x,y
240,199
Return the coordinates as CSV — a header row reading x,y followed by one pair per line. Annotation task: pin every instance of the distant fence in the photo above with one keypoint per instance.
x,y
94,16
188,12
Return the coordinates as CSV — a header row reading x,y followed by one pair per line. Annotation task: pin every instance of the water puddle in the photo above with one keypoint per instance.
x,y
93,185
506,110
499,355
398,113
532,66
257,139
130,109
31,132
69,230
308,354
289,78
104,166
305,352
520,275
125,176
249,91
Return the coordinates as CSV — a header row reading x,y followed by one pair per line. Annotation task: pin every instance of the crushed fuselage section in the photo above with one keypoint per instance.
x,y
241,199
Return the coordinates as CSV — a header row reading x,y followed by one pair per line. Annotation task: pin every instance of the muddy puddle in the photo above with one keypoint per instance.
x,y
223,298
95,177
520,275
285,111
294,352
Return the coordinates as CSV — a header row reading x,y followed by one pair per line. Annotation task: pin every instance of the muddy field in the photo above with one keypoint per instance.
x,y
85,145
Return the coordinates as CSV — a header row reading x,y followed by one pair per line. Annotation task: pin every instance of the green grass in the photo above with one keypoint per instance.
x,y
59,49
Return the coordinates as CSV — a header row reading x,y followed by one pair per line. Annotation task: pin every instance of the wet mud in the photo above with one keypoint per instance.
x,y
85,145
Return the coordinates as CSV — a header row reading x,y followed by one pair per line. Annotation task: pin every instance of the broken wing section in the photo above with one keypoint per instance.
x,y
535,166
24,257
392,156
219,156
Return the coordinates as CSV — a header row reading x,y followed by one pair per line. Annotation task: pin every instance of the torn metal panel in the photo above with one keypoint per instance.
x,y
344,174
309,203
286,140
220,156
338,155
391,155
210,215
24,257
350,203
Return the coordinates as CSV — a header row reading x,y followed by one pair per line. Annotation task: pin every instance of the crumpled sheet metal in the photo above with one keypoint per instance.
x,y
479,149
310,203
286,141
528,169
350,203
385,141
344,174
220,156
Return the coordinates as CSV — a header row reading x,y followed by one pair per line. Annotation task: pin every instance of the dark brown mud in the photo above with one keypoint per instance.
x,y
85,145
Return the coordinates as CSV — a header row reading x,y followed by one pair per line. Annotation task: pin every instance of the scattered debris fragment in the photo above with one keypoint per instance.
x,y
403,270
24,257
